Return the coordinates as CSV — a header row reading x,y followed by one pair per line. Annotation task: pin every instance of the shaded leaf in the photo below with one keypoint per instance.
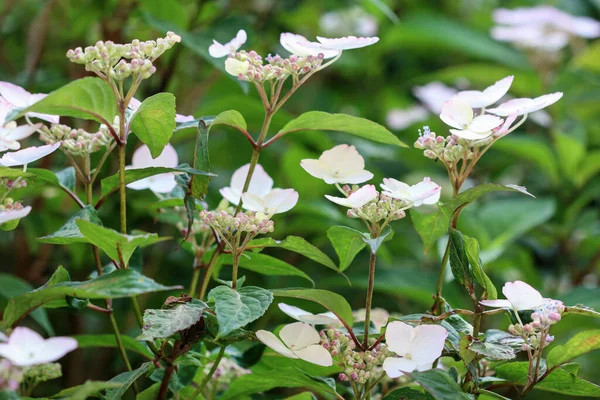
x,y
154,122
163,323
199,184
69,232
347,243
125,380
440,385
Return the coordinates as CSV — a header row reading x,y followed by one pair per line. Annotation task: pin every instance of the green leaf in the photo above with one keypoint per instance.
x,y
199,184
374,244
297,245
108,340
563,380
230,118
578,345
86,98
125,380
85,391
581,310
588,168
571,153
476,192
163,323
236,309
440,385
347,243
406,393
154,122
531,149
69,232
330,300
117,284
66,178
322,121
472,251
302,396
459,262
111,183
266,265
113,242
11,286
430,227
150,393
494,351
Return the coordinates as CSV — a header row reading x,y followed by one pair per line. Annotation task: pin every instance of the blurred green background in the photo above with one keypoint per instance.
x,y
552,242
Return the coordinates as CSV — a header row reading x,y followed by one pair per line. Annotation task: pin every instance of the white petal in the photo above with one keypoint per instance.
x,y
162,183
315,168
260,184
142,158
280,200
470,135
11,215
400,119
523,106
231,195
485,123
54,349
457,114
428,343
496,303
299,45
425,192
270,340
299,335
253,202
308,317
396,367
315,354
347,43
434,95
15,95
393,185
522,296
179,118
398,336
357,177
22,132
293,311
141,184
479,99
357,199
236,67
28,155
134,104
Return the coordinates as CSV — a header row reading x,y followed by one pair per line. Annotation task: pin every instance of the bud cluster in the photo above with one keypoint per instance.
x,y
359,366
36,374
76,141
450,149
253,223
225,374
381,209
10,204
109,60
11,184
10,376
541,320
249,66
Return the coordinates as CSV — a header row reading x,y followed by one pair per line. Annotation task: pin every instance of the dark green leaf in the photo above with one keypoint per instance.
x,y
458,260
472,251
154,122
347,243
163,323
330,300
66,178
69,232
440,385
266,265
297,245
406,393
125,380
85,391
476,192
199,185
494,351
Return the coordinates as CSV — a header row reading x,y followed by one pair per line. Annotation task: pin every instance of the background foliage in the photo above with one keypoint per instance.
x,y
552,243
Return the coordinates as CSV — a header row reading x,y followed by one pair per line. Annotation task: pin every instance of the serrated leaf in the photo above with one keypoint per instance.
x,y
330,300
236,309
491,350
125,380
86,98
581,310
265,265
297,245
160,324
440,385
69,232
361,127
347,243
154,122
117,284
578,345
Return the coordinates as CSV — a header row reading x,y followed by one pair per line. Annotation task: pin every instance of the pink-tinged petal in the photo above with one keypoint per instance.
x,y
357,199
180,118
22,132
218,50
428,343
391,185
522,296
347,42
15,95
496,303
299,335
28,155
55,348
162,183
134,104
506,125
272,341
396,367
425,192
398,336
11,215
5,109
456,114
315,354
523,106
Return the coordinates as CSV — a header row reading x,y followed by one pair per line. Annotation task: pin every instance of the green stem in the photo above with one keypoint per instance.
x,y
210,373
122,189
369,299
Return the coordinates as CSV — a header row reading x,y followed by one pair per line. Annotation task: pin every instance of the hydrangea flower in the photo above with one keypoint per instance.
x,y
424,192
301,315
218,50
459,115
347,42
161,183
341,164
522,106
356,199
260,184
12,214
26,347
236,67
298,340
418,347
519,296
28,155
275,202
18,97
10,133
487,97
301,46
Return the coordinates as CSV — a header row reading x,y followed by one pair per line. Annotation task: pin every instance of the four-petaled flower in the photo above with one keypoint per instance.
x,y
18,97
160,183
275,202
298,340
260,184
301,315
459,115
519,296
418,346
356,199
28,155
218,50
341,164
26,347
424,192
487,97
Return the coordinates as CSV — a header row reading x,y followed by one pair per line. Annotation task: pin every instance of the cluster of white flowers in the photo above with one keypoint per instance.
x,y
76,141
108,59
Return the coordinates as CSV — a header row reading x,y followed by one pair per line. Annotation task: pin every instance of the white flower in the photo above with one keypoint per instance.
x,y
298,340
161,183
28,155
357,199
10,133
218,50
13,214
236,67
341,164
275,202
419,347
487,97
459,115
402,118
519,296
260,184
26,347
434,95
301,46
301,315
179,118
18,97
424,192
347,42
524,106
